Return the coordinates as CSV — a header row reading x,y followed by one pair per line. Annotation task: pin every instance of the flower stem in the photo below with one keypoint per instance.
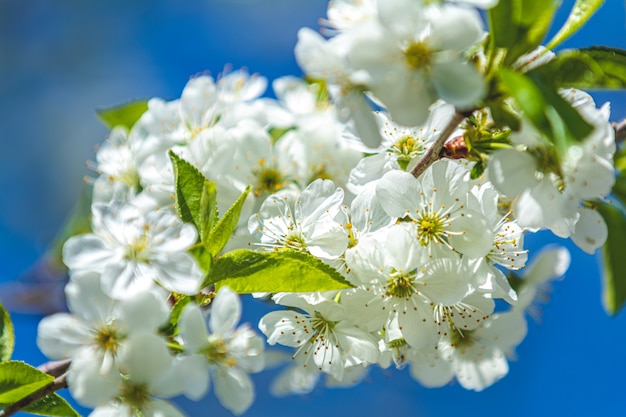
x,y
434,153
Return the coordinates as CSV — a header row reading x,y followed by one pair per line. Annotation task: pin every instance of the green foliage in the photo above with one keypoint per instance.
x,y
7,338
550,113
581,12
518,27
223,230
52,405
195,196
614,272
18,379
124,115
246,271
171,327
589,68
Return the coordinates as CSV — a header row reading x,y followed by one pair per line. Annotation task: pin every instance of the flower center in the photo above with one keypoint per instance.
x,y
269,180
136,251
430,227
407,148
134,394
418,55
216,352
295,240
108,338
400,285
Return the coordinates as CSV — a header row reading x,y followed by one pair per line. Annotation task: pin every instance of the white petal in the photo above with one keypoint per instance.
x,y
88,252
358,345
62,336
146,311
590,231
193,373
86,383
398,193
145,357
225,312
552,262
234,390
160,408
193,328
458,82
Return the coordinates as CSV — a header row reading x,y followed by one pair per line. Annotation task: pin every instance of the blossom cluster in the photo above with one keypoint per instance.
x,y
339,170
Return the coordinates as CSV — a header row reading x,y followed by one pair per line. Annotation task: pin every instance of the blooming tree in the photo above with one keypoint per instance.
x,y
380,203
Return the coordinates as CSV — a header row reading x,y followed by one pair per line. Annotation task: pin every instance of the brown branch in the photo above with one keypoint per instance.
x,y
55,368
57,384
434,153
620,130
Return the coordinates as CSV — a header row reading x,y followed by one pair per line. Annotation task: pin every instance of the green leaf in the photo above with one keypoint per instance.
x,y
245,271
590,68
124,115
519,26
224,229
581,12
202,256
52,405
7,338
18,379
550,113
209,212
529,97
614,271
195,195
171,327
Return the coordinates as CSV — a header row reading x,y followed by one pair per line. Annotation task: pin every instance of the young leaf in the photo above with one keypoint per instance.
x,y
208,209
245,271
195,195
519,26
614,271
52,405
581,12
124,115
18,379
590,68
550,113
223,230
171,327
7,338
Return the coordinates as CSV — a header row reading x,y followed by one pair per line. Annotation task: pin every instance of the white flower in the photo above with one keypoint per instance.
x,y
477,358
437,205
133,251
401,146
146,370
534,285
322,335
549,188
98,326
327,60
413,57
309,226
228,353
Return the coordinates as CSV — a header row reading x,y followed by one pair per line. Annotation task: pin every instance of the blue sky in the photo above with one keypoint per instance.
x,y
59,61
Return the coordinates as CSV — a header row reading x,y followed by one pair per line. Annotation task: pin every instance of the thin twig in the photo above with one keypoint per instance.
x,y
434,153
57,384
55,368
620,130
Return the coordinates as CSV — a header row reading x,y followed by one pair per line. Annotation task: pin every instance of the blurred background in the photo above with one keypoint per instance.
x,y
60,60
